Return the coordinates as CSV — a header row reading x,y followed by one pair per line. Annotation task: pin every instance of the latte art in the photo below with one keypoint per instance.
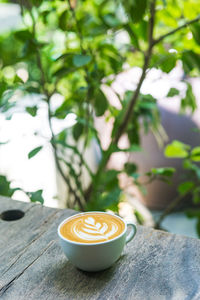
x,y
92,228
88,229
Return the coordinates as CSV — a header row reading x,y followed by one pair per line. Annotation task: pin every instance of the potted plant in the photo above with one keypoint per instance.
x,y
76,49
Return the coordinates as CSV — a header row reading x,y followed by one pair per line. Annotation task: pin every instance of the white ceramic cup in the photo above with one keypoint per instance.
x,y
96,256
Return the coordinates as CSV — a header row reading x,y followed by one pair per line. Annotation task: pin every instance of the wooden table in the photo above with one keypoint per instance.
x,y
155,265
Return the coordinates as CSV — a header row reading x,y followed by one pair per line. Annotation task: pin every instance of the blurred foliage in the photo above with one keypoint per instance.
x,y
75,47
6,190
190,179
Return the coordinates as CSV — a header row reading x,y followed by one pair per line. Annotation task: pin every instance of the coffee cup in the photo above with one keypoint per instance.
x,y
94,241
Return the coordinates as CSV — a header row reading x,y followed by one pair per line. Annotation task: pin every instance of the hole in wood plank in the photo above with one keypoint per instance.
x,y
12,215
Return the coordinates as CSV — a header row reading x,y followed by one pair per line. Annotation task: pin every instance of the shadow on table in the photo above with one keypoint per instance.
x,y
104,273
72,281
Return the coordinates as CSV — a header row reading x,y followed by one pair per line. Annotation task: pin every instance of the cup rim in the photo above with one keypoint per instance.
x,y
95,243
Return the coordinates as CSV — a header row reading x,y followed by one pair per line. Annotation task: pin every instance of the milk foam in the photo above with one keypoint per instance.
x,y
91,230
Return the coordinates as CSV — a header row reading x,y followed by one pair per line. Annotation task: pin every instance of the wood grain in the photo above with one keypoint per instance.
x,y
155,265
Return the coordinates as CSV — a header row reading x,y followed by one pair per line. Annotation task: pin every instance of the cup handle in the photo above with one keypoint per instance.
x,y
132,233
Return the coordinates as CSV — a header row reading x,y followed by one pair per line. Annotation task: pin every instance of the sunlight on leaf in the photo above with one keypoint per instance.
x,y
176,150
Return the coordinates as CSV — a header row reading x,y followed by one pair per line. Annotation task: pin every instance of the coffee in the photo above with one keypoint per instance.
x,y
92,228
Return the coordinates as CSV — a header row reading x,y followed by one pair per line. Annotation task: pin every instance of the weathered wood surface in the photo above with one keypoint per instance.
x,y
155,265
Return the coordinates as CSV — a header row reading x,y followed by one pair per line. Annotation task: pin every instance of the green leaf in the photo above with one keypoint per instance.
x,y
143,29
80,60
130,168
146,108
36,196
4,143
173,92
32,110
23,35
176,150
185,187
195,28
163,171
100,103
111,20
139,217
188,165
132,34
127,98
109,179
133,131
34,151
5,189
32,87
106,200
78,129
135,176
147,105
193,213
3,88
61,136
189,101
62,21
168,62
63,71
195,154
135,9
191,61
29,49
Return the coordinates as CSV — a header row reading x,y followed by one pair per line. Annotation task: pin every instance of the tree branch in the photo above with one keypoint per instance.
x,y
87,109
65,178
132,103
39,62
175,30
43,81
169,210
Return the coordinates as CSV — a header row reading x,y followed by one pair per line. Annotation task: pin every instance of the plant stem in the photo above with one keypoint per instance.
x,y
130,109
175,30
87,113
147,58
132,103
55,151
169,210
39,62
43,81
